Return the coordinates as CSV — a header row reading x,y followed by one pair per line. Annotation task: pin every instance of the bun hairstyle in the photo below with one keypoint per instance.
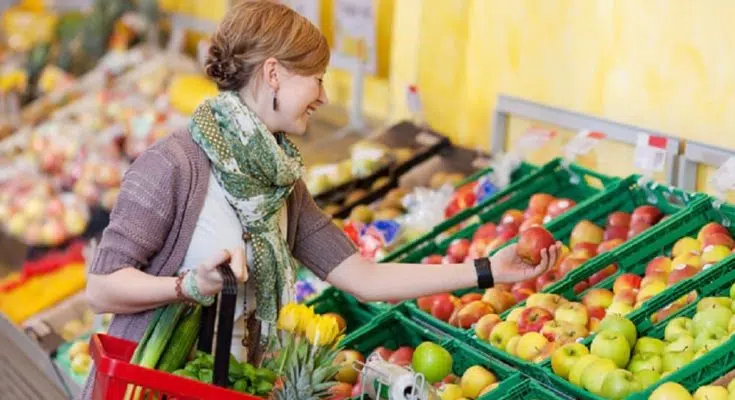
x,y
253,31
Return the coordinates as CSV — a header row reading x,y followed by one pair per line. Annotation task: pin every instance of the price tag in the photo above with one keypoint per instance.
x,y
533,139
650,152
723,179
582,144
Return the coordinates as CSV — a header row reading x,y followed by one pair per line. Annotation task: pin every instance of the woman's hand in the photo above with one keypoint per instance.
x,y
507,266
209,280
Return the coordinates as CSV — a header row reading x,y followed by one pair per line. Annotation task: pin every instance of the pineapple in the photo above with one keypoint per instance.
x,y
308,373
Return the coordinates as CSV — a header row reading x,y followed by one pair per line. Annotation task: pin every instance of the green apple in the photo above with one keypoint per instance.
x,y
710,302
670,391
649,345
683,342
433,361
575,374
620,384
565,357
621,325
674,360
709,339
594,376
710,318
647,377
711,392
677,327
502,333
613,346
731,325
646,361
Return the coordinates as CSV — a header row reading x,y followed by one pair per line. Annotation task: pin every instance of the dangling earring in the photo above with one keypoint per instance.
x,y
275,102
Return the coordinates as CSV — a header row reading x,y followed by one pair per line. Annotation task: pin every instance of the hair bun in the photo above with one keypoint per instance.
x,y
225,69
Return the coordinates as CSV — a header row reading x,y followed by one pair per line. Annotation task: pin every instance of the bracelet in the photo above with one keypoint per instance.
x,y
192,291
179,292
484,273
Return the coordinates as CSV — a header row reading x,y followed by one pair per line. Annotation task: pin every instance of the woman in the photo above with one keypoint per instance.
x,y
229,188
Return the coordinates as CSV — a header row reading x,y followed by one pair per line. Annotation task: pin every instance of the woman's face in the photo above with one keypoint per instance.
x,y
298,98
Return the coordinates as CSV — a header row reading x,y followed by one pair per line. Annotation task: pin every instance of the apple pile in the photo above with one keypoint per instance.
x,y
675,391
429,359
534,331
689,256
618,363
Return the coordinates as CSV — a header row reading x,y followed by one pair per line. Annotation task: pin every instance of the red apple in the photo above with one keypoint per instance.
x,y
470,297
718,239
547,278
659,264
540,202
458,250
598,298
425,303
619,219
487,230
500,300
383,352
503,286
521,290
432,259
535,220
627,282
711,228
472,312
402,356
616,232
608,245
681,272
648,214
340,391
569,264
507,231
627,296
532,319
485,325
531,242
600,276
478,248
581,287
512,217
596,312
442,307
586,231
637,228
559,207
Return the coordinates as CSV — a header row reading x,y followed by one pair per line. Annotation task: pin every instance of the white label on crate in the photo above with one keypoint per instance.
x,y
426,139
650,152
582,144
533,139
723,179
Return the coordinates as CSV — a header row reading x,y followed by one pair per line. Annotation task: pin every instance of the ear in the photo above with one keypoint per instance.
x,y
270,73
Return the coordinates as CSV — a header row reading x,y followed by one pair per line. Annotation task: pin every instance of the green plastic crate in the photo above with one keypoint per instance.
x,y
355,313
634,255
529,389
393,329
712,282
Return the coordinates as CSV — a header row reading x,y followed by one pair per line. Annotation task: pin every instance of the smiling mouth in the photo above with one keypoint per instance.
x,y
310,110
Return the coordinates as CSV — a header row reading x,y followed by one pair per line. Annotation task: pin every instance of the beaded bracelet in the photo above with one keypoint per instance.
x,y
189,286
179,292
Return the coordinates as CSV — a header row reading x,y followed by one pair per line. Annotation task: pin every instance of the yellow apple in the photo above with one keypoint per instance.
x,y
475,379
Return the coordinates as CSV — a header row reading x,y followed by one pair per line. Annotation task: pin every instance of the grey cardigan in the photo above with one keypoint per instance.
x,y
153,222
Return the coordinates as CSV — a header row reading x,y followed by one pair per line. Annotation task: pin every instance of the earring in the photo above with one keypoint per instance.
x,y
275,102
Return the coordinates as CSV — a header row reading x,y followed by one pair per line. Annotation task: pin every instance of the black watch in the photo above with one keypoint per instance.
x,y
484,273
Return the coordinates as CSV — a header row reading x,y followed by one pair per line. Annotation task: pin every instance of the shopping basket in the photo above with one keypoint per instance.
x,y
114,373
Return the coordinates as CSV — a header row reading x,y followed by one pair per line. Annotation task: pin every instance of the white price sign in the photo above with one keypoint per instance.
x,y
650,152
582,144
311,9
723,179
533,139
355,35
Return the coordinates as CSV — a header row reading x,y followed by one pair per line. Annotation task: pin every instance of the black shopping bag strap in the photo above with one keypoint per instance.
x,y
226,300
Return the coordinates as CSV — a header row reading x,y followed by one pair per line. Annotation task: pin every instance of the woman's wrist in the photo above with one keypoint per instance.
x,y
189,287
484,272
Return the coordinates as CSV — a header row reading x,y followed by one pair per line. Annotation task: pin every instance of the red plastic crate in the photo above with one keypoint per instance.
x,y
113,374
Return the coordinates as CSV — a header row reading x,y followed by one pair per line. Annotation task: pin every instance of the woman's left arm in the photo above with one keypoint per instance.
x,y
369,281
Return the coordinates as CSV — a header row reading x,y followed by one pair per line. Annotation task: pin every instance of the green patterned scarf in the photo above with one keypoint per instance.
x,y
258,170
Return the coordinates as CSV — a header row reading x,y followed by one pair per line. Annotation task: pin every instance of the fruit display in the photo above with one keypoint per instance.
x,y
619,362
397,346
73,356
675,391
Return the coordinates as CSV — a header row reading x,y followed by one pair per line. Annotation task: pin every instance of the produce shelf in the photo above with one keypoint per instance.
x,y
393,330
355,313
715,281
528,388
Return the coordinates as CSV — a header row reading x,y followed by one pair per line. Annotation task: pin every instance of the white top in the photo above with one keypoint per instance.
x,y
218,228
